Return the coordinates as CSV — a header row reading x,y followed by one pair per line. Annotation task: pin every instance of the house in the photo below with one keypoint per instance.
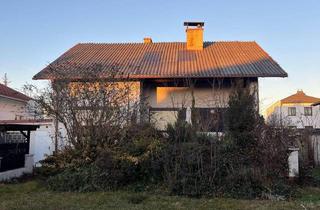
x,y
296,111
172,76
24,140
13,104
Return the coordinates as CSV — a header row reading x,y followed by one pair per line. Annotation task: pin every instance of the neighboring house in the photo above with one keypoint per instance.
x,y
296,110
15,110
13,104
171,75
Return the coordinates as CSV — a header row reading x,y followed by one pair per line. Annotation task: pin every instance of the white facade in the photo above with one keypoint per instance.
x,y
42,142
301,118
11,109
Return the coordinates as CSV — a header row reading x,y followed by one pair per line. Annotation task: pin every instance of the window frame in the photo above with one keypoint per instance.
x,y
307,113
290,113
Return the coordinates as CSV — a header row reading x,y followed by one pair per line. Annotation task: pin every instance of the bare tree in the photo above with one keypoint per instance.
x,y
95,112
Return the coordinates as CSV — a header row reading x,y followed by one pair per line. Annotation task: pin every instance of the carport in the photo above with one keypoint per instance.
x,y
14,144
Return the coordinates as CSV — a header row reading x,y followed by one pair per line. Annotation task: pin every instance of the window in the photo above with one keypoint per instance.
x,y
292,111
208,119
308,111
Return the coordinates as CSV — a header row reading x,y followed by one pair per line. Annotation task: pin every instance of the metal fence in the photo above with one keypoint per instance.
x,y
10,137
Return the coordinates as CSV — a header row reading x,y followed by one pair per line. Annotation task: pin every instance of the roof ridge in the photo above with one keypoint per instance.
x,y
162,42
8,92
299,97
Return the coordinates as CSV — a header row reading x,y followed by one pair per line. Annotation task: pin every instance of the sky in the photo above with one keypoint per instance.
x,y
33,33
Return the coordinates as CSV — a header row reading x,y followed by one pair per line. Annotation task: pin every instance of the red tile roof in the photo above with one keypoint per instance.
x,y
300,97
164,60
13,94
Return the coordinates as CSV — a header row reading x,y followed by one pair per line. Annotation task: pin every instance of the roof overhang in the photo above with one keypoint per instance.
x,y
15,99
18,125
316,104
142,77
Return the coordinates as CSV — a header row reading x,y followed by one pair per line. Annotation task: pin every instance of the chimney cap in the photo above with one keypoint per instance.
x,y
147,40
193,24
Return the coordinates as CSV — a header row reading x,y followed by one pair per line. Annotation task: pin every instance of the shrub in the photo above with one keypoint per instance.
x,y
316,176
249,160
189,161
133,159
81,180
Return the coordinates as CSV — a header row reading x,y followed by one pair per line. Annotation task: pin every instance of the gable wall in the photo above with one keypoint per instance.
x,y
10,109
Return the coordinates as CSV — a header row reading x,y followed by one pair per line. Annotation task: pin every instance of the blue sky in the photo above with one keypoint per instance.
x,y
35,32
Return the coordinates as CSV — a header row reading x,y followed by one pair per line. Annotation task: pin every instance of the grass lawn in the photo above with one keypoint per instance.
x,y
32,195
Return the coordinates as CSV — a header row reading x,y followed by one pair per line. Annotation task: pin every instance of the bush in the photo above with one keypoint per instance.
x,y
189,161
134,159
248,161
83,179
315,174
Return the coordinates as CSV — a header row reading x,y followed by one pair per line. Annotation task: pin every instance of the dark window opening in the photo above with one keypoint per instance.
x,y
208,119
308,111
292,111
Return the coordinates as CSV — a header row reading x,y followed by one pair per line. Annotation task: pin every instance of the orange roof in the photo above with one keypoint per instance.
x,y
13,94
163,60
300,97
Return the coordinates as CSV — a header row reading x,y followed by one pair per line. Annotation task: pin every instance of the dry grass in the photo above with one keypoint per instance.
x,y
32,195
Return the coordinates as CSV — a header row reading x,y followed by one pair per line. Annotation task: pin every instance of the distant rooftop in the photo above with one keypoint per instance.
x,y
12,94
300,97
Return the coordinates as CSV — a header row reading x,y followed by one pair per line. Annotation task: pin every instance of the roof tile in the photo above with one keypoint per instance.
x,y
164,60
11,93
300,97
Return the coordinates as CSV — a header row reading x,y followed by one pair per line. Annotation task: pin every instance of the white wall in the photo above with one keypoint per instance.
x,y
9,109
42,140
300,120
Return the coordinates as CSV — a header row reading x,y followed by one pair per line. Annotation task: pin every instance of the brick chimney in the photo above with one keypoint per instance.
x,y
147,40
194,33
